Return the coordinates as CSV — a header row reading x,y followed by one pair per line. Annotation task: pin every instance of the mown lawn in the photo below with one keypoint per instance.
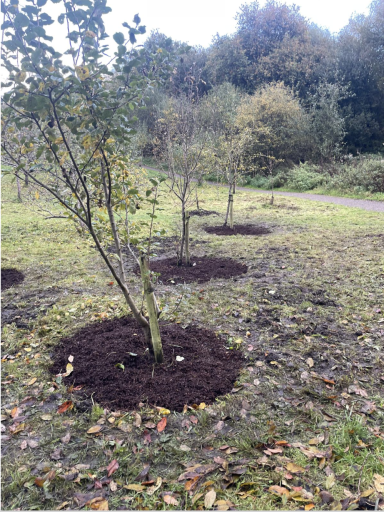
x,y
303,426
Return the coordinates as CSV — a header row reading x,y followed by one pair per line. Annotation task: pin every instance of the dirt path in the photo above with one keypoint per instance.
x,y
364,204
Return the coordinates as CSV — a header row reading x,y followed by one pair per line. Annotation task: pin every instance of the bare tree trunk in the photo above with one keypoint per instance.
x,y
26,179
228,204
197,201
186,230
231,211
272,196
181,252
18,190
152,309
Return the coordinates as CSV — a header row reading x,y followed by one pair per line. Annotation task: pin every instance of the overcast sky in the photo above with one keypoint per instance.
x,y
196,22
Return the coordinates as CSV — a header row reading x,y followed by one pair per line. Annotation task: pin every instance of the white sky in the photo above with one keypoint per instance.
x,y
196,22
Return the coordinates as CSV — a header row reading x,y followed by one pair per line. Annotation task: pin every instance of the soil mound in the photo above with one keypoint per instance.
x,y
10,277
208,369
202,270
239,229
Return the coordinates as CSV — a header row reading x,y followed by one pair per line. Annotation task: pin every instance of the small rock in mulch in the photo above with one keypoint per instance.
x,y
202,213
201,270
239,229
208,369
10,277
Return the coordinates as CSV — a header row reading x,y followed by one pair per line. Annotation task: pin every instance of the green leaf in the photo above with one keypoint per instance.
x,y
136,19
119,37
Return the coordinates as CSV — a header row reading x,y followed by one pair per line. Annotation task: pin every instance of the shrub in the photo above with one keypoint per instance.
x,y
305,177
361,174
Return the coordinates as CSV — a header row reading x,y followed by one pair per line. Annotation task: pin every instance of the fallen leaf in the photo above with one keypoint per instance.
x,y
170,500
134,487
294,468
46,417
202,406
309,506
68,405
163,411
209,499
23,445
150,424
32,381
330,481
367,493
194,420
162,424
185,448
179,359
310,362
112,467
276,489
137,421
94,430
221,505
70,359
69,369
113,486
98,504
151,490
32,443
62,505
378,482
143,474
326,497
57,454
66,438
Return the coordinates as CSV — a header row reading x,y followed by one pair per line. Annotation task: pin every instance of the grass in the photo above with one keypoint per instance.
x,y
311,307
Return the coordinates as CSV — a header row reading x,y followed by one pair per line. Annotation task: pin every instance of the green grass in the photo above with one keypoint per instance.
x,y
323,264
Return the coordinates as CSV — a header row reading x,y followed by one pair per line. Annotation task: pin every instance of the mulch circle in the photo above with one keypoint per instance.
x,y
203,269
207,371
10,277
202,213
239,229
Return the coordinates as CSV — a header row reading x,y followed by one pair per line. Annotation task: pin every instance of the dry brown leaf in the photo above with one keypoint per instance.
x,y
112,467
151,490
68,405
309,506
378,482
137,421
94,430
162,424
46,417
66,438
98,504
210,499
32,381
310,362
330,481
170,500
367,493
277,489
294,468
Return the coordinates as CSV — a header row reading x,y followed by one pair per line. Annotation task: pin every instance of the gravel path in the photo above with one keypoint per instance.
x,y
364,204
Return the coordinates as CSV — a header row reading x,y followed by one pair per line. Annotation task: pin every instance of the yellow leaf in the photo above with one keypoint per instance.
x,y
134,487
32,381
82,72
69,368
46,417
151,490
28,349
330,481
202,405
98,503
94,430
37,195
366,493
163,411
209,499
309,506
294,468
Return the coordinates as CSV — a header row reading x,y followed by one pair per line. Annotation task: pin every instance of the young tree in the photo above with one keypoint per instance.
x,y
77,122
182,141
228,140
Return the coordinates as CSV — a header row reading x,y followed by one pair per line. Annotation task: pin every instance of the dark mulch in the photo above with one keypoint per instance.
x,y
207,371
202,270
202,213
239,229
10,277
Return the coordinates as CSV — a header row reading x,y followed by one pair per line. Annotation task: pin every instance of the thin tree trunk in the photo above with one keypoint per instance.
x,y
18,190
186,230
231,211
228,204
181,253
152,309
26,179
272,196
197,201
